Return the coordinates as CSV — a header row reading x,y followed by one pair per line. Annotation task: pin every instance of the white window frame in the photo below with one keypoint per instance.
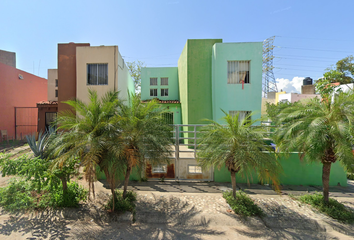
x,y
153,81
163,92
155,90
164,81
160,168
238,73
194,169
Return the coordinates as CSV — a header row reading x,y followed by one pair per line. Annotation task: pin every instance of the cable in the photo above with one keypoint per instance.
x,y
303,59
306,56
318,39
312,49
299,65
298,69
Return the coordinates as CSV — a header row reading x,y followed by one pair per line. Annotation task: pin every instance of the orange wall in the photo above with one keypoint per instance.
x,y
15,92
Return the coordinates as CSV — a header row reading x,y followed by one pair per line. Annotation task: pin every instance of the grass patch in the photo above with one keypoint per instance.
x,y
334,209
123,205
243,204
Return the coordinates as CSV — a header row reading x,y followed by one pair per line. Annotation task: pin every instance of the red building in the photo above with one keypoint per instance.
x,y
19,93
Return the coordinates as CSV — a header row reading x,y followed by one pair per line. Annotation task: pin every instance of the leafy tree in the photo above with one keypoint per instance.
x,y
240,147
144,135
87,135
274,109
343,72
321,130
135,72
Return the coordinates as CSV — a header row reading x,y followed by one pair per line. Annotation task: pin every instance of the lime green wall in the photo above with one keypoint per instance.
x,y
170,72
231,97
176,109
134,176
296,172
182,83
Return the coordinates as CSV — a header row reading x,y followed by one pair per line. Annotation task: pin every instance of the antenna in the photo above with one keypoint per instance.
x,y
39,64
269,83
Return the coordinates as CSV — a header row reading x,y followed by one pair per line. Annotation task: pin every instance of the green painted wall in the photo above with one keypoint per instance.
x,y
199,60
231,97
176,109
170,72
296,172
182,83
134,176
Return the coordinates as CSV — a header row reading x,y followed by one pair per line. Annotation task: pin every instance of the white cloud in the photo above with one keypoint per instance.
x,y
290,86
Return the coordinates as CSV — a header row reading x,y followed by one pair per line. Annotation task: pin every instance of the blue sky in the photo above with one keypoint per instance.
x,y
310,35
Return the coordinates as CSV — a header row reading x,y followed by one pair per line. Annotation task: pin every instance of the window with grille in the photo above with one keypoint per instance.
x,y
164,92
194,169
153,92
164,81
168,117
56,82
56,93
242,114
97,74
153,81
238,72
160,168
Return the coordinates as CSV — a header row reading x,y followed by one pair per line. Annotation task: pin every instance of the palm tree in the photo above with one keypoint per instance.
x,y
321,130
144,135
88,131
240,147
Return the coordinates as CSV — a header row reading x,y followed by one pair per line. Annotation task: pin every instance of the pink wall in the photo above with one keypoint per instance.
x,y
15,92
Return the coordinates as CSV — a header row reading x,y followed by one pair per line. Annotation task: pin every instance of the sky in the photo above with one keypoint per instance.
x,y
310,36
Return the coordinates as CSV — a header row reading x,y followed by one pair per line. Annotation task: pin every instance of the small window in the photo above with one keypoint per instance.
x,y
194,169
164,92
153,92
50,119
161,168
56,93
56,82
153,81
97,74
168,117
243,114
238,72
164,81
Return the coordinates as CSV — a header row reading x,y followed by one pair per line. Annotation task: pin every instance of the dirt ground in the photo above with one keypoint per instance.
x,y
184,210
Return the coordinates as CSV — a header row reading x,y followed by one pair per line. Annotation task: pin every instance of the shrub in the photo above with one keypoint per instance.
x,y
73,196
243,204
17,196
123,205
333,208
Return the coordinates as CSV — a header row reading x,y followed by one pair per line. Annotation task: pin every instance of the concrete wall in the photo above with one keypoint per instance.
x,y
231,97
16,92
183,83
170,72
8,58
175,108
52,77
125,81
67,73
296,172
102,54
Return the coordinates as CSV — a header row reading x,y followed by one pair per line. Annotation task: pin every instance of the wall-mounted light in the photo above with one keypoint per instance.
x,y
20,76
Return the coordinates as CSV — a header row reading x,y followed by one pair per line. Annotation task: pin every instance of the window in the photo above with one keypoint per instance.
x,y
194,169
164,92
56,93
49,119
164,81
97,74
153,92
168,117
56,82
153,81
161,168
238,72
242,114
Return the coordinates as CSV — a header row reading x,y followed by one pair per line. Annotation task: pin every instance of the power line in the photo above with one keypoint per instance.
x,y
306,56
300,65
312,49
304,59
338,40
298,69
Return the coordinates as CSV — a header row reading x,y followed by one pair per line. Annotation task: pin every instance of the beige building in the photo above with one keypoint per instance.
x,y
52,84
102,69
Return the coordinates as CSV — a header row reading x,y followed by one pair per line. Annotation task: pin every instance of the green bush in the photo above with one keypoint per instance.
x,y
350,176
21,195
243,204
333,209
73,196
123,205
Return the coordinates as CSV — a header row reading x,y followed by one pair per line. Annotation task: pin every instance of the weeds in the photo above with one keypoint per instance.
x,y
123,205
243,204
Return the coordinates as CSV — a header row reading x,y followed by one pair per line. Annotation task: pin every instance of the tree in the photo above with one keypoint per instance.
x,y
88,134
321,131
240,147
144,135
135,72
343,73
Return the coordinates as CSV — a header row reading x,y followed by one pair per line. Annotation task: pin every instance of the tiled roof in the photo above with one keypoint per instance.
x,y
47,103
164,101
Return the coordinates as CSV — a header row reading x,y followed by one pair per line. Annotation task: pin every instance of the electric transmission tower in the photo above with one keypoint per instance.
x,y
269,83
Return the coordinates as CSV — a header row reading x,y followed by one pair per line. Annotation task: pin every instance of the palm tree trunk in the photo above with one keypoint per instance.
x,y
64,183
326,170
233,181
126,181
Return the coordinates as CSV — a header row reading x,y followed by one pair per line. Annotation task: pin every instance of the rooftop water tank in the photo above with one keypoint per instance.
x,y
307,81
